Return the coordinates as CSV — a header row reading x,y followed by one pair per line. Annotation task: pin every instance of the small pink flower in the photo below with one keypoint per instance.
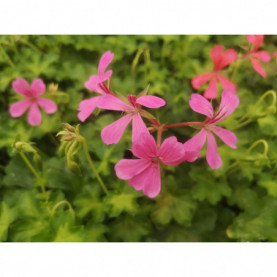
x,y
113,132
144,173
32,101
97,84
257,56
199,104
220,60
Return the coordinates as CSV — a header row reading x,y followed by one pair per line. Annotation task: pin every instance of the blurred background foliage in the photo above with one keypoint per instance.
x,y
238,202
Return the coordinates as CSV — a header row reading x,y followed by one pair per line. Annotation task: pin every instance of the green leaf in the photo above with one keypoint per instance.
x,y
268,182
123,202
18,174
258,224
268,125
128,229
67,233
89,202
58,176
96,232
168,207
7,216
207,187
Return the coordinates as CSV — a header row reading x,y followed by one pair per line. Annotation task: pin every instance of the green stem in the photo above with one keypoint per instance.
x,y
53,139
7,56
262,141
61,203
24,41
23,156
236,69
40,181
242,124
85,146
273,104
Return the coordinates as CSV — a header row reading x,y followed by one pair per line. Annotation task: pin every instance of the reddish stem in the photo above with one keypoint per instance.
x,y
154,122
183,124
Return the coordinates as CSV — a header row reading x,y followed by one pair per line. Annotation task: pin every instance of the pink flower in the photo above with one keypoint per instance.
x,y
199,104
144,173
113,132
32,101
220,61
97,84
257,56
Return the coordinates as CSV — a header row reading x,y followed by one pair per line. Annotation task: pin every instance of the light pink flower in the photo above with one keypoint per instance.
x,y
113,132
32,101
199,104
144,173
220,60
257,56
97,84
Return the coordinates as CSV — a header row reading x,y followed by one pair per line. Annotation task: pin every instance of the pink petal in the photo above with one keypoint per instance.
x,y
49,106
150,101
262,55
138,127
145,147
153,188
110,102
229,102
171,151
216,56
212,157
228,57
93,84
149,181
211,91
200,80
37,87
200,104
196,143
226,84
21,86
34,115
126,169
139,181
113,132
17,109
191,156
226,136
105,60
257,40
106,76
86,107
258,68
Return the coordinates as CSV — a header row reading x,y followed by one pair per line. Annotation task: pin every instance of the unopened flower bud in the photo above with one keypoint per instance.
x,y
74,167
24,146
68,138
69,127
52,88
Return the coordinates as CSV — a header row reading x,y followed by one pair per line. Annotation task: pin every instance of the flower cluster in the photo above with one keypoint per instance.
x,y
144,173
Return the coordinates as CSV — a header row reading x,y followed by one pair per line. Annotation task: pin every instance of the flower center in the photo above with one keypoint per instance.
x,y
133,100
155,160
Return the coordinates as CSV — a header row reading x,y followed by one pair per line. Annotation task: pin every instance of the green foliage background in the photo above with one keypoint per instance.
x,y
238,202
